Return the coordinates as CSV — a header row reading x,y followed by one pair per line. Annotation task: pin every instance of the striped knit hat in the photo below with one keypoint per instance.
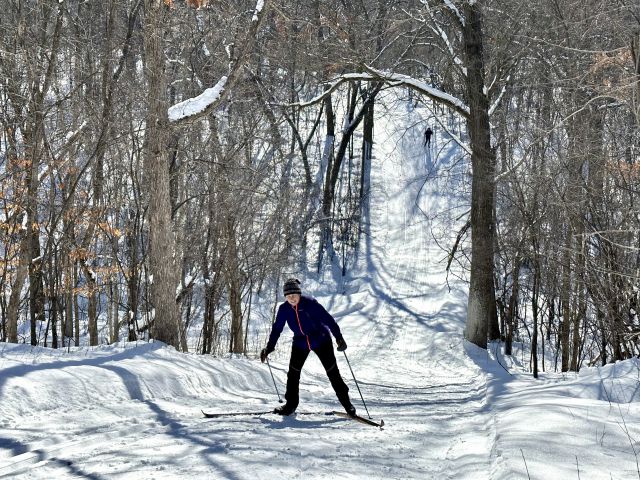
x,y
292,285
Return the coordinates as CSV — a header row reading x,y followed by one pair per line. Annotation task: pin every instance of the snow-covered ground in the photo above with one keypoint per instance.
x,y
451,410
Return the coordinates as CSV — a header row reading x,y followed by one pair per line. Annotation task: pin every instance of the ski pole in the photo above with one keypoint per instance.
x,y
354,379
274,380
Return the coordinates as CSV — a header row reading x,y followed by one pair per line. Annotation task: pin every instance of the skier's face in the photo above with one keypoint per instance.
x,y
293,299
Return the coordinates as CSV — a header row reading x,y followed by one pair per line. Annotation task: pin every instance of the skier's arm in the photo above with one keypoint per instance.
x,y
325,317
329,321
276,330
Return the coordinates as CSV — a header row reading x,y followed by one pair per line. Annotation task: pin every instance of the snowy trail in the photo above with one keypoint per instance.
x,y
133,411
136,414
432,391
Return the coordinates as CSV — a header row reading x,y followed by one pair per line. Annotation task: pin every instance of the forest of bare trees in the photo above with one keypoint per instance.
x,y
122,221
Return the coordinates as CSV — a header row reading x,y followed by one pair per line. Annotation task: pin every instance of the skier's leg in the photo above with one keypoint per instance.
x,y
292,395
328,359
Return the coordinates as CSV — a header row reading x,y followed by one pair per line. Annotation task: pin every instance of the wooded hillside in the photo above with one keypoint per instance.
x,y
162,162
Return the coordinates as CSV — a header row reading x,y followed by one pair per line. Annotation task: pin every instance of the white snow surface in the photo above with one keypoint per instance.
x,y
452,411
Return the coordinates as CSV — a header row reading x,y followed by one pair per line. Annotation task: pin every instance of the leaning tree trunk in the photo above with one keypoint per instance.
x,y
326,163
481,294
333,172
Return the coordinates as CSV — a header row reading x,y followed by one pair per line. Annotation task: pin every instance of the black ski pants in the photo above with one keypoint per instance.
x,y
328,359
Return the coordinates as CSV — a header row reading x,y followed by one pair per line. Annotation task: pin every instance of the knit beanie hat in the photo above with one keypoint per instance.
x,y
292,285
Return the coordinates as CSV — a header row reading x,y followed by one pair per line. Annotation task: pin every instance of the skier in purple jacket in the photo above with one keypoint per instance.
x,y
312,327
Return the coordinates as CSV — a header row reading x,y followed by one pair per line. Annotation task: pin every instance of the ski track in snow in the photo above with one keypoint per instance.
x,y
133,411
401,349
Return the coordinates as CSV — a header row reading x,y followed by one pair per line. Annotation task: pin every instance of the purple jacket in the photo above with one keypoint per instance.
x,y
310,323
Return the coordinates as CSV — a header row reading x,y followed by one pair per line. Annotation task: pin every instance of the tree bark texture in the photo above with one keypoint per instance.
x,y
481,297
162,263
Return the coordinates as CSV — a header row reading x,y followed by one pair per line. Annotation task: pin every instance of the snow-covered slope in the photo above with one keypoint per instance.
x,y
133,410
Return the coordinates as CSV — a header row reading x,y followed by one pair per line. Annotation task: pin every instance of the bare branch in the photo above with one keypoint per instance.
x,y
394,79
200,106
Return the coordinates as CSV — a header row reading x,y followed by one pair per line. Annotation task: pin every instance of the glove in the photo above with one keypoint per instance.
x,y
342,345
264,352
263,355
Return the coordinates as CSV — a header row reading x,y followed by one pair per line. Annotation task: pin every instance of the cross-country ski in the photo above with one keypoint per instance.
x,y
361,419
354,417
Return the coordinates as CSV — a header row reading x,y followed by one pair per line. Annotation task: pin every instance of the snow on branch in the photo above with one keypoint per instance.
x,y
496,103
258,9
435,27
420,86
393,79
194,107
449,8
452,8
342,79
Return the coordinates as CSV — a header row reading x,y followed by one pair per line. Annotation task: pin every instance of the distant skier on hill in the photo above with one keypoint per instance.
x,y
427,137
312,327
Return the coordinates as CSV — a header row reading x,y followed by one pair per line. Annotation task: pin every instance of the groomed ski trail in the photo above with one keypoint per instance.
x,y
138,415
422,381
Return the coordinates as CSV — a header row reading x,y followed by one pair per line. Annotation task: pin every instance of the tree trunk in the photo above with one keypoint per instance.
x,y
577,333
69,284
535,312
32,138
234,285
92,303
325,167
365,170
76,308
512,310
30,241
133,276
481,294
36,291
114,311
13,308
161,237
333,171
566,305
